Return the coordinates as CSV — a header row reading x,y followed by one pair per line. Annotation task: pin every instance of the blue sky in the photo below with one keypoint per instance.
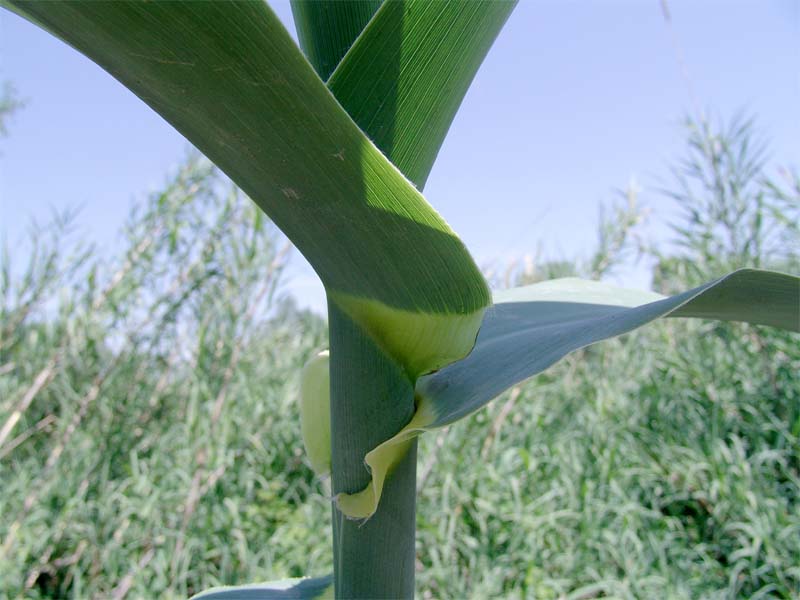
x,y
575,99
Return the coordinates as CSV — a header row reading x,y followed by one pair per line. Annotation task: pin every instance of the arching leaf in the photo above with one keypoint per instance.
x,y
320,588
530,328
229,77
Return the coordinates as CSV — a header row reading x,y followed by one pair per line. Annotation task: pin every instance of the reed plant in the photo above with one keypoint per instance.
x,y
335,147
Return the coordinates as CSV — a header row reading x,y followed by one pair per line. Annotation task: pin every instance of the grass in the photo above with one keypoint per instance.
x,y
626,477
157,450
158,454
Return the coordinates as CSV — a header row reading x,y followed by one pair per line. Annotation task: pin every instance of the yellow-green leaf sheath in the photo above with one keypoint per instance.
x,y
315,412
419,342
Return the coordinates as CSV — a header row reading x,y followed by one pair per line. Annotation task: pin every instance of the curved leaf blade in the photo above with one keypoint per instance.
x,y
529,329
286,589
229,77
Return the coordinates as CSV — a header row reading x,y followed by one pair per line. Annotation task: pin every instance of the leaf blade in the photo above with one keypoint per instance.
x,y
529,329
285,589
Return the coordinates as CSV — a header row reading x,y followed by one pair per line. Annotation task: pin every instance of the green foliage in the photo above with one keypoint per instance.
x,y
156,449
160,451
405,298
663,464
733,213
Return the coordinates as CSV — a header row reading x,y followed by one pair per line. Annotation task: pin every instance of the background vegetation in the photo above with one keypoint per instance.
x,y
150,442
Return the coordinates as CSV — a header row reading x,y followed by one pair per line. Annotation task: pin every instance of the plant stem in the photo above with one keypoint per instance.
x,y
372,398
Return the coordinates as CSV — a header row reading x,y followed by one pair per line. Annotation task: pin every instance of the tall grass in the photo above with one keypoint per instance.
x,y
149,431
151,444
